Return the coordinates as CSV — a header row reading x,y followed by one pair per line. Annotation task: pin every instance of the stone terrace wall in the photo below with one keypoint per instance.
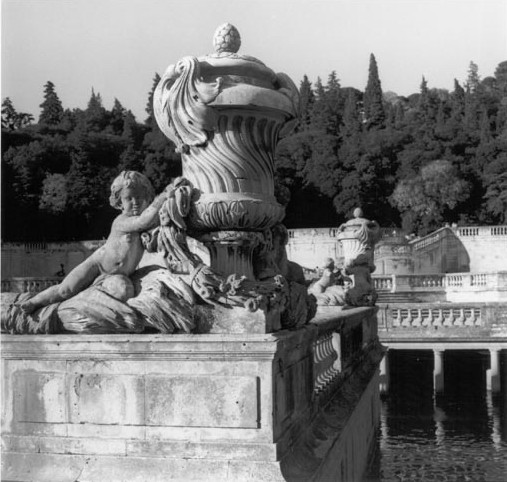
x,y
193,407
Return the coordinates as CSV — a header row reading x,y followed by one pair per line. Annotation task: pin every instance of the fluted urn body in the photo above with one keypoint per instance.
x,y
225,112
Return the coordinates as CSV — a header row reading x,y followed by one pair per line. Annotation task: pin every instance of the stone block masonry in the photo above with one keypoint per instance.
x,y
193,407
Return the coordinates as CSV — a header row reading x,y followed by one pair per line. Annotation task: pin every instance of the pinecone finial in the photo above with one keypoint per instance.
x,y
226,39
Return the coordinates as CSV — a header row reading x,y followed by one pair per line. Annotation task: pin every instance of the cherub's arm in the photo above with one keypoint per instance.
x,y
147,219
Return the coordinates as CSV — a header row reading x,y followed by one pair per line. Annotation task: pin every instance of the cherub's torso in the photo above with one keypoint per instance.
x,y
122,252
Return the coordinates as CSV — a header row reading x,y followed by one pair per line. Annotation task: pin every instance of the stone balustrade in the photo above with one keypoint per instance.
x,y
435,317
29,284
466,320
482,231
455,286
339,348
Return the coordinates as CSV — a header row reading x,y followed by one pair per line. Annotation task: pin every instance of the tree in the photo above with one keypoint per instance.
x,y
130,131
130,160
52,110
428,197
27,164
307,100
150,120
501,78
473,79
373,103
9,114
351,125
117,118
13,120
95,115
495,180
318,119
54,194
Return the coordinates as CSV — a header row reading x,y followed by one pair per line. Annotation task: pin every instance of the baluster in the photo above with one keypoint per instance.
x,y
417,320
450,319
461,318
428,319
477,316
408,320
470,319
397,319
438,321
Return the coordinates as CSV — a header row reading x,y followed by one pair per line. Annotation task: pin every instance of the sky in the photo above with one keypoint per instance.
x,y
117,46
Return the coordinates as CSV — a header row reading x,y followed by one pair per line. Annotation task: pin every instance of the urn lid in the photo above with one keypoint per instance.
x,y
232,67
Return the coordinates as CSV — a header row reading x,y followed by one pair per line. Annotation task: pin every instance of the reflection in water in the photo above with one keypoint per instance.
x,y
457,436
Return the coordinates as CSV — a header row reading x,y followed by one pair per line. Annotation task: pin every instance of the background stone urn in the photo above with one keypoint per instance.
x,y
226,112
358,238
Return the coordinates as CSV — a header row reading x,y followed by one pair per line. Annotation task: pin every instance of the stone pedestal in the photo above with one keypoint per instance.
x,y
296,405
231,252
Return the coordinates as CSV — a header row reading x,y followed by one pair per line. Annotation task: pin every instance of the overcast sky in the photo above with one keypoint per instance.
x,y
116,46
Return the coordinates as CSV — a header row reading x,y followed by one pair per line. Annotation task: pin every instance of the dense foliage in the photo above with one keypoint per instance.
x,y
433,157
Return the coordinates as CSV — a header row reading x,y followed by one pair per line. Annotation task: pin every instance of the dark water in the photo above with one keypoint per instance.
x,y
458,436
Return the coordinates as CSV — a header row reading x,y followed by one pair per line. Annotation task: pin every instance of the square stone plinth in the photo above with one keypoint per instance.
x,y
210,407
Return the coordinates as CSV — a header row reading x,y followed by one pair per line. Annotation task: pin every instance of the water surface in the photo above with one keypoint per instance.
x,y
460,435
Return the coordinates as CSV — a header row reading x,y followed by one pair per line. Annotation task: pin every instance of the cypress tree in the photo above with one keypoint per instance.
x,y
485,127
373,102
95,114
52,109
117,118
458,100
307,101
473,79
351,124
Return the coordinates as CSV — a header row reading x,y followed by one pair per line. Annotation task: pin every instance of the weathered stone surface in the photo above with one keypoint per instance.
x,y
184,407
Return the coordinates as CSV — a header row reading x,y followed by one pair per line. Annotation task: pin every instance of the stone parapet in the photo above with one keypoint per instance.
x,y
192,407
450,287
468,321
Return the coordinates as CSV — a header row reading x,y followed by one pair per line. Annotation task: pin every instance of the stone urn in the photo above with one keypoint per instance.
x,y
358,238
226,112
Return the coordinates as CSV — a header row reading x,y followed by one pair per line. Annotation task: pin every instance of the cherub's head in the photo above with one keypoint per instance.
x,y
134,182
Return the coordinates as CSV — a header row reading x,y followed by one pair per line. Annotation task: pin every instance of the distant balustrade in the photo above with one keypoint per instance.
x,y
383,282
466,320
455,286
476,281
482,231
427,241
425,317
312,233
29,285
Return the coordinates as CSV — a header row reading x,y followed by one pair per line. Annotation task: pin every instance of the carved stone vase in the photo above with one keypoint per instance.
x,y
226,112
358,238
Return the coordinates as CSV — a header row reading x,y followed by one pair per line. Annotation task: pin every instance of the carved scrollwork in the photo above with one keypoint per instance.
x,y
181,104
